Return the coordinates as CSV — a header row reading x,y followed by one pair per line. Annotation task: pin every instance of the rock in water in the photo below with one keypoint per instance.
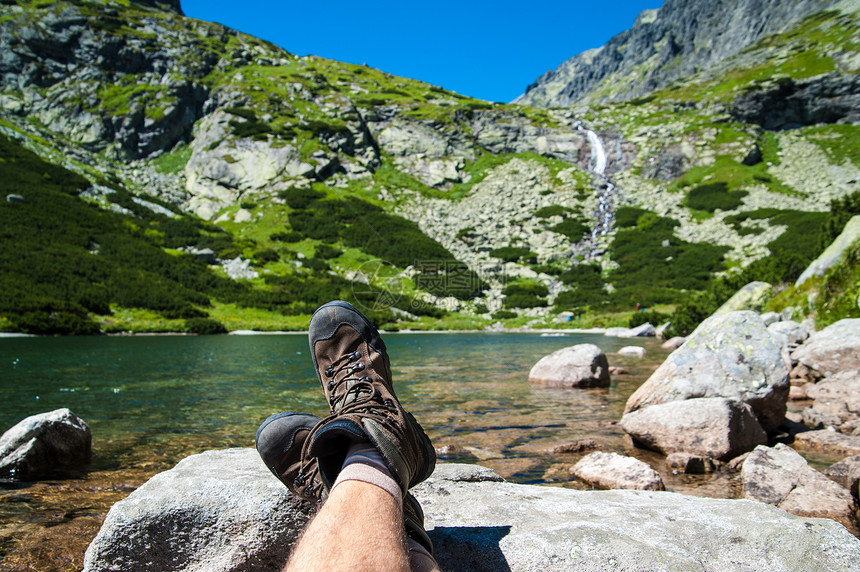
x,y
781,477
835,348
216,511
614,471
731,356
583,365
40,445
632,351
709,427
753,297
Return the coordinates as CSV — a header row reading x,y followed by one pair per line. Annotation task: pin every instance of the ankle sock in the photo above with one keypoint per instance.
x,y
364,463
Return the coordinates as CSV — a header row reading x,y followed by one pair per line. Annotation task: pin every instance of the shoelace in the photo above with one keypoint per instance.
x,y
309,478
359,396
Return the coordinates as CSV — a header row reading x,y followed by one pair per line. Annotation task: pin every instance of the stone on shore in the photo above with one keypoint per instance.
x,y
731,356
708,427
673,344
632,351
752,297
475,523
216,511
833,349
583,365
642,331
614,471
828,442
791,334
780,476
41,445
846,473
837,402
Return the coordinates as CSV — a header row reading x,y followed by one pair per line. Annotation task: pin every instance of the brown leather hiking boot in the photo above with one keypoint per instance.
x,y
280,440
353,367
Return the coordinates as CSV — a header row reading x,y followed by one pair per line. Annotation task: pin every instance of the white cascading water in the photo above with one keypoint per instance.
x,y
605,212
598,153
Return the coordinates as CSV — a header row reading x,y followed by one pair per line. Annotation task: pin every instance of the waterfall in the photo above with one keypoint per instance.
x,y
598,153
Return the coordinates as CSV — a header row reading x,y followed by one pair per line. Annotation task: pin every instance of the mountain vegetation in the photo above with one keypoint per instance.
x,y
166,174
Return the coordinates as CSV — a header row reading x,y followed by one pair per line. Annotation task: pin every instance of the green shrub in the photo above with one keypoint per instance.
x,y
266,255
551,210
204,326
512,253
504,315
626,217
647,317
572,228
300,198
289,236
481,308
713,196
248,205
326,252
525,294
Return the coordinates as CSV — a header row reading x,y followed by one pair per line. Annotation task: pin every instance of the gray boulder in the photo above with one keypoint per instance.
x,y
583,365
789,333
731,356
41,445
781,477
835,348
223,511
837,402
216,511
753,297
632,351
770,318
642,331
833,253
614,471
709,427
673,344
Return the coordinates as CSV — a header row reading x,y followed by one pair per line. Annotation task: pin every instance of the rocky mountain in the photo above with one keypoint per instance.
x,y
677,40
297,179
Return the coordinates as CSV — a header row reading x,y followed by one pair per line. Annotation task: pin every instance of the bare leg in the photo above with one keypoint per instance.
x,y
360,527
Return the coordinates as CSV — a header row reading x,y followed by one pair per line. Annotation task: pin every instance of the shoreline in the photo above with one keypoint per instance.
x,y
557,331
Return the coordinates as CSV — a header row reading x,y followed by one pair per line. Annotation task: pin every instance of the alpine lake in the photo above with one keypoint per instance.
x,y
153,400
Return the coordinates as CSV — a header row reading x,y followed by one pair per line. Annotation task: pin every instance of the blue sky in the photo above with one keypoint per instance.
x,y
489,50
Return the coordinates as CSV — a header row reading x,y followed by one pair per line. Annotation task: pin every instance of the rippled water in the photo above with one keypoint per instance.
x,y
152,400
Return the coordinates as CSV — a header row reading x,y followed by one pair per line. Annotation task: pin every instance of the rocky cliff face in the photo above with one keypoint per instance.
x,y
681,38
233,129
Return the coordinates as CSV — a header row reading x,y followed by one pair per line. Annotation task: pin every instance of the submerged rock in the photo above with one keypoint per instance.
x,y
41,445
732,356
223,510
583,365
828,443
781,477
614,471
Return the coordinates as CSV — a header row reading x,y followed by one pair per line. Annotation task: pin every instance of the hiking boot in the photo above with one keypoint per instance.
x,y
353,368
280,440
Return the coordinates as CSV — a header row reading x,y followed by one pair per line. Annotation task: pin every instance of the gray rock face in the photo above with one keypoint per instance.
x,y
680,38
781,477
709,427
790,333
223,511
41,445
731,356
833,253
614,471
583,365
217,511
837,402
487,526
835,348
753,297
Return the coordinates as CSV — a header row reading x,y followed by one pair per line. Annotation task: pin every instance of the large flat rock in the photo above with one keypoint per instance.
x,y
224,511
491,526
